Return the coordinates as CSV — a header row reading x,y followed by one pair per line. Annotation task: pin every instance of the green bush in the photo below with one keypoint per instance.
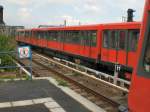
x,y
6,44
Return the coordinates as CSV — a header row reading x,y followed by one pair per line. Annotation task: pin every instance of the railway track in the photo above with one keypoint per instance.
x,y
104,95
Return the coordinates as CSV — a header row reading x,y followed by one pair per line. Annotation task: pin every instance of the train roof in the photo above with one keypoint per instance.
x,y
125,25
121,25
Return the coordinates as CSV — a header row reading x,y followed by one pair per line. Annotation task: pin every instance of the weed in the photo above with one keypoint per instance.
x,y
62,82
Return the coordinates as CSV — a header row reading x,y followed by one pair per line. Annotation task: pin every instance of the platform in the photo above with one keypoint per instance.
x,y
36,96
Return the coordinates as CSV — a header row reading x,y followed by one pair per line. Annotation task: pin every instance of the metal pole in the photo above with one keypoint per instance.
x,y
115,75
31,65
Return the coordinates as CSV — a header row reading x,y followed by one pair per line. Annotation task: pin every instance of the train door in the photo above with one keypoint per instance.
x,y
40,41
132,47
82,43
25,37
87,45
93,44
105,47
38,38
31,37
89,41
122,47
114,46
61,36
35,38
44,40
112,52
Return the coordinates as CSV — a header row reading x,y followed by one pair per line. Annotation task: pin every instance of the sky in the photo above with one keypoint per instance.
x,y
31,13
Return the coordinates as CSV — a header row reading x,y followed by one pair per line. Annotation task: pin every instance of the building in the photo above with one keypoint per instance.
x,y
7,29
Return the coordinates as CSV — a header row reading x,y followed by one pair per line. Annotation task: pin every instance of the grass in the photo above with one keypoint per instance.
x,y
7,77
62,82
6,45
10,75
76,74
27,77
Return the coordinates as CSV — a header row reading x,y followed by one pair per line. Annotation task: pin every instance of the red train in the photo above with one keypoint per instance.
x,y
139,95
101,46
109,43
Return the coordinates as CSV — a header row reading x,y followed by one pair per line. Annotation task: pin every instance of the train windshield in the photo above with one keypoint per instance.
x,y
147,56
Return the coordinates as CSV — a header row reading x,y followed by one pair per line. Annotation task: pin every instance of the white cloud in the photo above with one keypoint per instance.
x,y
70,20
60,1
91,8
26,12
19,2
25,15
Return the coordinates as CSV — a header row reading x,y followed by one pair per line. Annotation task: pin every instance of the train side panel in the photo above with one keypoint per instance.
x,y
139,95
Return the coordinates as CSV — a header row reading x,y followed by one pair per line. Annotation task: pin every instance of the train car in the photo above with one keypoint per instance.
x,y
100,46
120,44
139,95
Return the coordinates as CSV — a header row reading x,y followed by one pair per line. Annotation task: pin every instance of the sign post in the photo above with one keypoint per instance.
x,y
116,72
24,52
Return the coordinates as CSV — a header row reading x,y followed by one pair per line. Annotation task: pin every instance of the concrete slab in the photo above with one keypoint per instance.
x,y
57,110
88,104
31,108
5,105
22,103
43,100
22,91
51,105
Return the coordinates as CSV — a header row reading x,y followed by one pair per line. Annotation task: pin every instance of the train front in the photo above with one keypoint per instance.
x,y
139,95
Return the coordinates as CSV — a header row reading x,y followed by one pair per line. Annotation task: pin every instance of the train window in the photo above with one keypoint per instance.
x,y
113,39
66,35
39,35
147,56
122,40
18,33
49,35
35,34
44,36
133,40
27,34
93,38
59,35
72,37
54,36
144,60
76,37
82,36
87,38
30,33
106,39
21,33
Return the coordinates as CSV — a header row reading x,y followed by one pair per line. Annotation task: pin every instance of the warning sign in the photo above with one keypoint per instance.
x,y
24,52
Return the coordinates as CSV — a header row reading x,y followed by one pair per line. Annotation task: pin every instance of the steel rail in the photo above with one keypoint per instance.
x,y
86,74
